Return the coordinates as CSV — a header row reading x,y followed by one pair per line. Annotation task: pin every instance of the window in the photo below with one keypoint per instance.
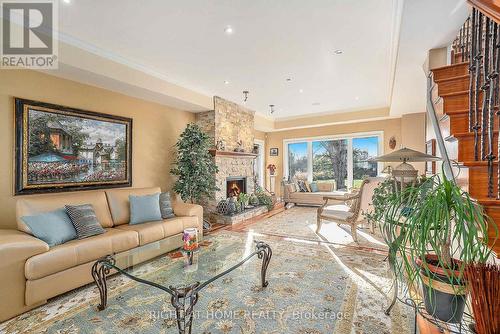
x,y
297,160
344,161
329,160
363,149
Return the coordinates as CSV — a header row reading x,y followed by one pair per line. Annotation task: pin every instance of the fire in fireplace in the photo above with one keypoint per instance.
x,y
235,186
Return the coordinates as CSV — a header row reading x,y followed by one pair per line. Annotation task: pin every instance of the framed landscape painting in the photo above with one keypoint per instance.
x,y
65,149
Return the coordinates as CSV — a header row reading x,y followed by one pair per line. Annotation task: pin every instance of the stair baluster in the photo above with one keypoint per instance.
x,y
491,79
496,98
477,59
472,71
466,54
485,88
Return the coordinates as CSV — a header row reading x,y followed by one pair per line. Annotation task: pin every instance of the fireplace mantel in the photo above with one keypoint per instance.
x,y
232,154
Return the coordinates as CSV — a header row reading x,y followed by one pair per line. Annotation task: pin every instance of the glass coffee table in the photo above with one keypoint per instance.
x,y
184,289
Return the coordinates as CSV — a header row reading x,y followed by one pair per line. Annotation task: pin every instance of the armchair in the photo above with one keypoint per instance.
x,y
351,212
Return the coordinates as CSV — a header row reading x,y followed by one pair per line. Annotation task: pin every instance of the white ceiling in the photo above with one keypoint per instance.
x,y
426,25
183,42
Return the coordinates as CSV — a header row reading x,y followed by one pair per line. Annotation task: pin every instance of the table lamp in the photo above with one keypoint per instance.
x,y
405,173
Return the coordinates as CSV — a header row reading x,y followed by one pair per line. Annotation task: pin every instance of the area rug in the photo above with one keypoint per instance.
x,y
313,288
300,222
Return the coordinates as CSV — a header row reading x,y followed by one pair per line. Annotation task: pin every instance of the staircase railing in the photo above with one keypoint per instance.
x,y
479,43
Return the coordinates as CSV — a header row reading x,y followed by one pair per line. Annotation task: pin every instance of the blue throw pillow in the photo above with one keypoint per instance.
x,y
144,209
53,227
314,187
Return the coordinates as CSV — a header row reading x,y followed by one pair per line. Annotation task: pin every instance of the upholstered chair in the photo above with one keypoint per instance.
x,y
353,207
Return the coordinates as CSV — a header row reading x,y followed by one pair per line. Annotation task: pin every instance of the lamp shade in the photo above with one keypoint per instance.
x,y
404,155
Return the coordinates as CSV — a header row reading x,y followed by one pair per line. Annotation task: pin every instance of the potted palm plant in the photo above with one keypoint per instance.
x,y
438,229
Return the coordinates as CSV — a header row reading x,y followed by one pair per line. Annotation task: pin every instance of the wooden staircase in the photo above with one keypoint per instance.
x,y
451,89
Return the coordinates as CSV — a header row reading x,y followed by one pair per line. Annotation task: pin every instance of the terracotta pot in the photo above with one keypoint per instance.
x,y
425,327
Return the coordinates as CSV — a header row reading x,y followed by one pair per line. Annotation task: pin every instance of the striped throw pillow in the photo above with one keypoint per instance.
x,y
166,206
84,220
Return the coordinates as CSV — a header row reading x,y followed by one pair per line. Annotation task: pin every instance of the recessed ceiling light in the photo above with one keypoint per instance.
x,y
67,1
226,82
316,104
338,52
356,98
228,30
288,79
301,90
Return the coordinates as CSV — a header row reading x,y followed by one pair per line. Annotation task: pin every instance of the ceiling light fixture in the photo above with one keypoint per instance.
x,y
226,82
67,1
356,98
228,30
245,95
338,52
288,79
301,90
271,108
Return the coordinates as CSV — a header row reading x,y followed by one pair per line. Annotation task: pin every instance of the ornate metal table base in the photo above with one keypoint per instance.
x,y
183,298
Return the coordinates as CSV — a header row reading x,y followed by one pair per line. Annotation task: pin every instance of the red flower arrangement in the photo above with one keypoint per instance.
x,y
272,168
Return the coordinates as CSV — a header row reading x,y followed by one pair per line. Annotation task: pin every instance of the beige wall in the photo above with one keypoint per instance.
x,y
390,127
260,135
413,128
155,128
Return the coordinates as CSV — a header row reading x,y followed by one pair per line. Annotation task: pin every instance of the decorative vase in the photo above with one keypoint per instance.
x,y
231,206
222,207
254,200
221,146
190,238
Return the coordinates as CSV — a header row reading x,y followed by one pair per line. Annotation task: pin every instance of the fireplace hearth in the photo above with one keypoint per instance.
x,y
235,186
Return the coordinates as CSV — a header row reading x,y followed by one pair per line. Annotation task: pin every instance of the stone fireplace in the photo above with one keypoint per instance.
x,y
233,125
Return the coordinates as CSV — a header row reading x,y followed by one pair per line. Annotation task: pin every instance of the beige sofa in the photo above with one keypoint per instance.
x,y
293,195
31,272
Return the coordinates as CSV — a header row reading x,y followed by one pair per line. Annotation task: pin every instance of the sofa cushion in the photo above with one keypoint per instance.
x,y
301,184
154,231
145,208
308,186
53,227
290,187
32,205
326,186
119,204
166,206
314,196
84,220
78,252
314,187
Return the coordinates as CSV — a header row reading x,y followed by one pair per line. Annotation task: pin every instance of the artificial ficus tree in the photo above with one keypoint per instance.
x,y
194,165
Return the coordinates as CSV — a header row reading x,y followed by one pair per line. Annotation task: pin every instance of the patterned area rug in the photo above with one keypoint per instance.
x,y
313,288
300,222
